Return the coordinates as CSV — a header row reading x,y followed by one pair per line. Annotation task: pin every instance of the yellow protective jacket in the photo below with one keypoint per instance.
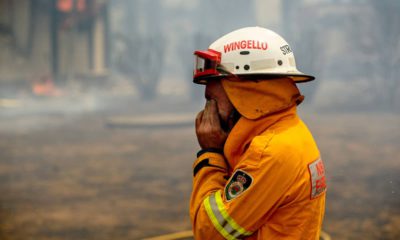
x,y
269,183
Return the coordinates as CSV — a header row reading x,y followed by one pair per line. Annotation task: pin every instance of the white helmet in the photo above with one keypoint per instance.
x,y
252,52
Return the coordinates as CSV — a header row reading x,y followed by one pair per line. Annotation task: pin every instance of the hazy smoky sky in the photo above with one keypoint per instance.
x,y
351,46
331,40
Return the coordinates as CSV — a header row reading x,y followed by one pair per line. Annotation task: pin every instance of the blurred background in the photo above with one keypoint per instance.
x,y
97,107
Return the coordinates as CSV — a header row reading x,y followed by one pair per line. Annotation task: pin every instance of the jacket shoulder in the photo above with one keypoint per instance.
x,y
257,147
293,144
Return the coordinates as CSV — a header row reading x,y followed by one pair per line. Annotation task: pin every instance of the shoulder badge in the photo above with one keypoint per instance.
x,y
239,182
317,178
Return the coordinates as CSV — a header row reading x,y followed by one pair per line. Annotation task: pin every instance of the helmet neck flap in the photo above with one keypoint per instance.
x,y
256,99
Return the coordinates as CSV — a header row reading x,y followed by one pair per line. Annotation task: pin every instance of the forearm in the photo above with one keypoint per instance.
x,y
210,174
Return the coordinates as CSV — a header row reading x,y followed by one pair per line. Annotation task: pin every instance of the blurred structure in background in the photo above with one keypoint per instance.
x,y
79,34
51,42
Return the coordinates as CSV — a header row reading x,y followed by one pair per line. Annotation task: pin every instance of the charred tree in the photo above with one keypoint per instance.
x,y
141,61
139,55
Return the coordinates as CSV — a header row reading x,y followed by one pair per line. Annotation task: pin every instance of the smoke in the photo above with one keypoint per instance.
x,y
97,135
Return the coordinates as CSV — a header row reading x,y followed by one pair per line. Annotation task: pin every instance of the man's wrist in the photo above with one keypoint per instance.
x,y
210,150
210,157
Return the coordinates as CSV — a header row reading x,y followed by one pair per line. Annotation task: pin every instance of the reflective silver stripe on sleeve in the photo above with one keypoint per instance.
x,y
221,220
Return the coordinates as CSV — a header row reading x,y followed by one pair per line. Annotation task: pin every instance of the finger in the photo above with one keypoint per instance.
x,y
206,111
199,118
213,112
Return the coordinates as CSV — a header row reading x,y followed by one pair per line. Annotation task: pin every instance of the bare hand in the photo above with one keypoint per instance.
x,y
208,127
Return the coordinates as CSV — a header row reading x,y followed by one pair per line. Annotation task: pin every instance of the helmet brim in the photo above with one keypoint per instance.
x,y
297,77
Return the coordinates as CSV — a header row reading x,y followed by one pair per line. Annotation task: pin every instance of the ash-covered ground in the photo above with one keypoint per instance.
x,y
69,175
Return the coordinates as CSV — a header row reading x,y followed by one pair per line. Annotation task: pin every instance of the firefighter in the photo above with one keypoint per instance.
x,y
259,174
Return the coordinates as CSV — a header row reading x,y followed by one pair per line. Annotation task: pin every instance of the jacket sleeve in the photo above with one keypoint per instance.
x,y
234,208
210,175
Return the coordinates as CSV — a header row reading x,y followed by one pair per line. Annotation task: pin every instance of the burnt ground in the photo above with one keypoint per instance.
x,y
69,176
